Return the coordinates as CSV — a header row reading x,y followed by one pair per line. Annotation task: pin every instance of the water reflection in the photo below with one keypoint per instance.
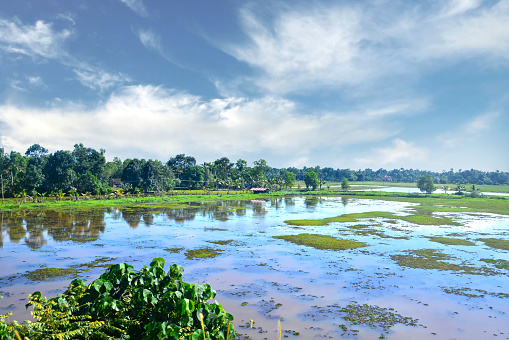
x,y
34,228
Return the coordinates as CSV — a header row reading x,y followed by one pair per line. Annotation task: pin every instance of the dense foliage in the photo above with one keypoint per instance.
x,y
40,174
425,184
125,304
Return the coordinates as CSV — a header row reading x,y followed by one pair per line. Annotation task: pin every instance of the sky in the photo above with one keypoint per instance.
x,y
344,84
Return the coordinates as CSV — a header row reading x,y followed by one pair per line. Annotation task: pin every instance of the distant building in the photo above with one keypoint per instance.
x,y
259,190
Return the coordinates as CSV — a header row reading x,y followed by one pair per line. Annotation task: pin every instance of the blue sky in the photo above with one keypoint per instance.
x,y
344,84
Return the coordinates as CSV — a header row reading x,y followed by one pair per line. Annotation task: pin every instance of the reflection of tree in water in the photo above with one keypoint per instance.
x,y
132,217
344,201
77,226
12,224
148,218
311,202
59,225
289,201
181,215
276,202
258,207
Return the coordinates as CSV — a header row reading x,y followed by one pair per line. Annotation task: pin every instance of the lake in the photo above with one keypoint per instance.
x,y
403,284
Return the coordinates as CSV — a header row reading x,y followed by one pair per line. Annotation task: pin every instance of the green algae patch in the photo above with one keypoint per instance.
x,y
173,250
221,242
321,241
342,218
49,274
307,222
371,214
496,243
78,239
324,221
202,253
451,241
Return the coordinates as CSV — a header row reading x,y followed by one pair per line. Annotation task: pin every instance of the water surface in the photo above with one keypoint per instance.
x,y
264,279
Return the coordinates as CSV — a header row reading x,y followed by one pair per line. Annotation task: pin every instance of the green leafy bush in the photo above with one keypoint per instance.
x,y
125,304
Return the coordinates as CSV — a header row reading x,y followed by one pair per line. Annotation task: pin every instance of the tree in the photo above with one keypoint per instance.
x,y
345,184
289,179
193,176
311,180
425,184
132,173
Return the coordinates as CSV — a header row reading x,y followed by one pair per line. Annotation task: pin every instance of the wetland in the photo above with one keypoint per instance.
x,y
333,267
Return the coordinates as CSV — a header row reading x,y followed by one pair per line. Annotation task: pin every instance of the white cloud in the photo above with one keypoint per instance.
x,y
153,121
471,130
98,79
150,39
368,44
137,6
39,40
399,153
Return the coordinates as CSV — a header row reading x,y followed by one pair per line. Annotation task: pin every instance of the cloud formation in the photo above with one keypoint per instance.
x,y
38,40
355,45
150,120
137,6
42,41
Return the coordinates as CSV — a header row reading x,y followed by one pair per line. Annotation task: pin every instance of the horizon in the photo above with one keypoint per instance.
x,y
354,85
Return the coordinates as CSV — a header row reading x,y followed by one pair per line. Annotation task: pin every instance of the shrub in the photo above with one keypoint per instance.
x,y
125,304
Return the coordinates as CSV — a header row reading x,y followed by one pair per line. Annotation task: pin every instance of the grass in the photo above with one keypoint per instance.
x,y
452,241
321,241
499,263
496,243
418,218
431,203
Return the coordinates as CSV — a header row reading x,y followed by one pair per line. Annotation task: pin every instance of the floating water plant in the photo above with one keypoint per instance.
x,y
321,241
202,253
44,274
451,241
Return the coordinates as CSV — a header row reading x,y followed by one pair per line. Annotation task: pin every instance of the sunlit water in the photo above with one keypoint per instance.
x,y
260,278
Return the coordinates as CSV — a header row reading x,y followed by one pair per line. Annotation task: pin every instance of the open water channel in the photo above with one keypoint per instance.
x,y
362,293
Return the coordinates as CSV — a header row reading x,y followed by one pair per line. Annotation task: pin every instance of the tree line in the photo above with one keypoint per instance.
x,y
85,170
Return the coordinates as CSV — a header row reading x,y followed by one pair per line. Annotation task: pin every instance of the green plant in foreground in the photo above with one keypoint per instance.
x,y
125,304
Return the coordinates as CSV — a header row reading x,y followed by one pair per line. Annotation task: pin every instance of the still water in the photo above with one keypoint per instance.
x,y
258,277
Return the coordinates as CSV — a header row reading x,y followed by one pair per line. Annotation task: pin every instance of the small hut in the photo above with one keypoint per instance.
x,y
260,190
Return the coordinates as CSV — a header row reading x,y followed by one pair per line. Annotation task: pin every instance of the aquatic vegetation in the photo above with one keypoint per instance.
x,y
306,222
367,315
321,241
428,220
381,234
173,250
202,253
44,274
473,293
78,239
496,243
98,262
436,259
222,242
499,263
451,241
